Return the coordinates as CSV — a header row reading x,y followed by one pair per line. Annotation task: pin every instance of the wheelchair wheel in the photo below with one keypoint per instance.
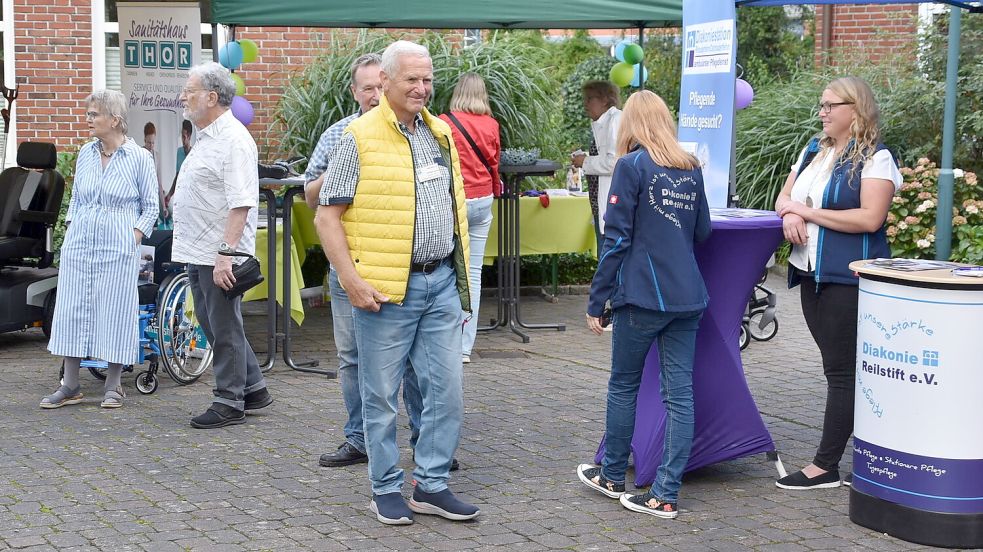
x,y
98,371
184,350
759,333
146,382
744,340
48,313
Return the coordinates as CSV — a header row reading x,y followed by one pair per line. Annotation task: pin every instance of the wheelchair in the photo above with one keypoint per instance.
x,y
30,202
760,321
170,335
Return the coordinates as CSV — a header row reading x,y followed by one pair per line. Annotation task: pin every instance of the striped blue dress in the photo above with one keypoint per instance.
x,y
96,303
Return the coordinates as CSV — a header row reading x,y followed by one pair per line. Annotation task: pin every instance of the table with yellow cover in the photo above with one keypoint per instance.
x,y
563,227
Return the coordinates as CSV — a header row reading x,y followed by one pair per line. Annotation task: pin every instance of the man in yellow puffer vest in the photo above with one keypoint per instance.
x,y
395,229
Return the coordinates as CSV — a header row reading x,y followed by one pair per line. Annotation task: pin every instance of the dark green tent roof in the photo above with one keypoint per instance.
x,y
451,14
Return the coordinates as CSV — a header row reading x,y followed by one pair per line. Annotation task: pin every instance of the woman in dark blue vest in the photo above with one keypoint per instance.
x,y
656,210
833,207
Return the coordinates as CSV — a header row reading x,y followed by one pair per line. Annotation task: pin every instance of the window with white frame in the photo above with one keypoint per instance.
x,y
110,29
7,55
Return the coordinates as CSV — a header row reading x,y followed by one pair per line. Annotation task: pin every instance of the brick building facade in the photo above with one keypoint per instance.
x,y
870,31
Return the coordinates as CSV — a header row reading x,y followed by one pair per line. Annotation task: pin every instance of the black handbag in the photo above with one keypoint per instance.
x,y
246,273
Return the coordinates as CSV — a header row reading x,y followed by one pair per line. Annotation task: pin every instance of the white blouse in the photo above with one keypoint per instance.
x,y
810,186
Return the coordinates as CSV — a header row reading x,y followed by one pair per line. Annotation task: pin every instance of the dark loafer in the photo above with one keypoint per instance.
x,y
346,455
259,398
218,415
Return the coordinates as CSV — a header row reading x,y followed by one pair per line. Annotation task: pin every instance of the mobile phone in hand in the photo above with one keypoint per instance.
x,y
605,317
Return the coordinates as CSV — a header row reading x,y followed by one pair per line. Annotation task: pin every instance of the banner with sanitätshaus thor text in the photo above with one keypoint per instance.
x,y
158,43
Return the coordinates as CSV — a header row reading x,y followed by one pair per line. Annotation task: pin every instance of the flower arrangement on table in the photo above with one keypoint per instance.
x,y
911,219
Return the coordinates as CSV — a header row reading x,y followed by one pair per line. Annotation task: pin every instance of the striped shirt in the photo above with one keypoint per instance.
x,y
433,231
218,175
325,146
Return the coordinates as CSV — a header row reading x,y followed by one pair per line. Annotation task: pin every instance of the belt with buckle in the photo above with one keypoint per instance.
x,y
426,267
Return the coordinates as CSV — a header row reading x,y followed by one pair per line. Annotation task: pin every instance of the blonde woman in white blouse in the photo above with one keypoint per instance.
x,y
833,207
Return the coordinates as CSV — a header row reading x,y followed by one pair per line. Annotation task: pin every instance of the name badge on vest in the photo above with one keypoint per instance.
x,y
430,172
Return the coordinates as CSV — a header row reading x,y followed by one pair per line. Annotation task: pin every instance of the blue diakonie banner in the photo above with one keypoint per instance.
x,y
706,96
159,42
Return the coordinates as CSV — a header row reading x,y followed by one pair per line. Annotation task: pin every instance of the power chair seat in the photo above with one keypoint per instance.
x,y
30,201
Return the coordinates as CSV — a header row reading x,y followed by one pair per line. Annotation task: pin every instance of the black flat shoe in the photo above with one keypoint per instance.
x,y
346,455
799,482
259,398
218,415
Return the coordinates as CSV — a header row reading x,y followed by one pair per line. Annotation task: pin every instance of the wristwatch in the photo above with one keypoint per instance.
x,y
224,248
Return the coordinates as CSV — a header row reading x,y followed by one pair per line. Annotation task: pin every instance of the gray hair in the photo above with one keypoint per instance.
x,y
390,57
215,78
365,61
111,103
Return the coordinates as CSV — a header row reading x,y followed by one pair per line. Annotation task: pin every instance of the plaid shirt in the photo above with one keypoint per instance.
x,y
325,146
433,231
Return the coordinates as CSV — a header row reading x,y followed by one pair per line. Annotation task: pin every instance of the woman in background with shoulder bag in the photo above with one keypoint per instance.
x,y
478,143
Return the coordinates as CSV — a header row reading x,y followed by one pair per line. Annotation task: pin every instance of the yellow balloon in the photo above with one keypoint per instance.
x,y
621,74
240,85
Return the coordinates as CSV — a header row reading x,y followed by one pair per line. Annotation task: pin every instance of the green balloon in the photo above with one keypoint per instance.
x,y
249,50
240,85
633,54
621,74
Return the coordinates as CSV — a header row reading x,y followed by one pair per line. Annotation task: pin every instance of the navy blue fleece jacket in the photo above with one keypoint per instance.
x,y
654,216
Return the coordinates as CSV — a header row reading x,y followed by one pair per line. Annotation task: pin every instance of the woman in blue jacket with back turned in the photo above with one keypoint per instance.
x,y
656,210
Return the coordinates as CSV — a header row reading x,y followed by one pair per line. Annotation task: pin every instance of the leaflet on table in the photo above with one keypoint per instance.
x,y
739,213
911,265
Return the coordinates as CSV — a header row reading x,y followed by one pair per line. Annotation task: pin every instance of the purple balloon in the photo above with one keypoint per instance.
x,y
242,110
743,94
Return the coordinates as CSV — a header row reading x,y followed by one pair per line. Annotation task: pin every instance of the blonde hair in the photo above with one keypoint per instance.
x,y
647,122
470,95
864,129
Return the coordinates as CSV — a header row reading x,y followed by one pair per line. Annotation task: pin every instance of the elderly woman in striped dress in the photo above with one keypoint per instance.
x,y
114,205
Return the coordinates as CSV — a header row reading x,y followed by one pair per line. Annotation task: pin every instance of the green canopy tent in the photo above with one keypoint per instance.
x,y
452,14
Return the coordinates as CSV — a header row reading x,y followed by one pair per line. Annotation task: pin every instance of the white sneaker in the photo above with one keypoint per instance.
x,y
466,359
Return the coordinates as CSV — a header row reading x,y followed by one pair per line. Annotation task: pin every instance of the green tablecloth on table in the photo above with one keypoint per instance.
x,y
296,278
563,227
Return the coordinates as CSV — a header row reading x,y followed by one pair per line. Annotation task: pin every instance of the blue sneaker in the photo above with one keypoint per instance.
x,y
390,508
443,504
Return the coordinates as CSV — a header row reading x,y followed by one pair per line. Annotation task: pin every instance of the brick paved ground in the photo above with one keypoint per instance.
x,y
140,478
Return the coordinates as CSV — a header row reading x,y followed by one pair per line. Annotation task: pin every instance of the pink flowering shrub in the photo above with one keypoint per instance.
x,y
911,219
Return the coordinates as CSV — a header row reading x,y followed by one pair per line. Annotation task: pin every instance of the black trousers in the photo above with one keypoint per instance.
x,y
831,314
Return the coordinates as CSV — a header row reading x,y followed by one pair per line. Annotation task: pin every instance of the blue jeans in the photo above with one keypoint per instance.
x,y
344,339
426,331
635,329
479,221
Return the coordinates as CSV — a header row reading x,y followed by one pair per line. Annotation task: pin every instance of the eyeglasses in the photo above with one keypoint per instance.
x,y
92,114
826,107
189,91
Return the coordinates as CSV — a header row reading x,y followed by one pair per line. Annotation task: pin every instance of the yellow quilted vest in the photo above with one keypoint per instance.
x,y
379,222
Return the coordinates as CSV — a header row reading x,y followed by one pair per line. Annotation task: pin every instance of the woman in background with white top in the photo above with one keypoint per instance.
x,y
833,207
602,100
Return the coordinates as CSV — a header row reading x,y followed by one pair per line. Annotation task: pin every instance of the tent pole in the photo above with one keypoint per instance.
x,y
215,42
641,44
943,214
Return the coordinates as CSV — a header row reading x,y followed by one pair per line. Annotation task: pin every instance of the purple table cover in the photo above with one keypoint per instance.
x,y
728,424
